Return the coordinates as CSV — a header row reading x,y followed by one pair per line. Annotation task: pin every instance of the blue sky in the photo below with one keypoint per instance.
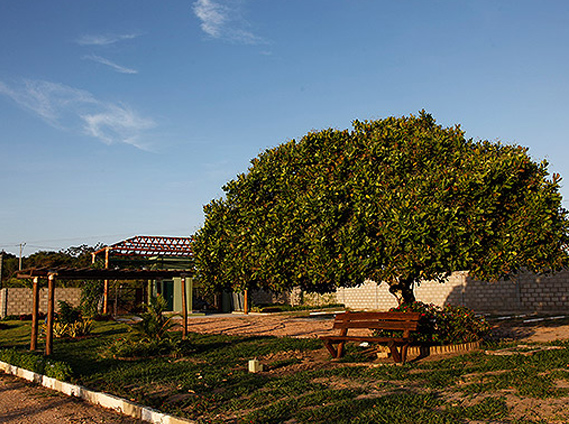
x,y
122,118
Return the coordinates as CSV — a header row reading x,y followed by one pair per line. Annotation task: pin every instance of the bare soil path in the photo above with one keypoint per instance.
x,y
263,325
526,329
26,403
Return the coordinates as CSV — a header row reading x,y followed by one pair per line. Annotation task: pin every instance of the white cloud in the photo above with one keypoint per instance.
x,y
104,39
213,16
222,21
117,122
47,99
72,109
107,62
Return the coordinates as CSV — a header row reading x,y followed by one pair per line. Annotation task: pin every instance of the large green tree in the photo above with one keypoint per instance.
x,y
398,200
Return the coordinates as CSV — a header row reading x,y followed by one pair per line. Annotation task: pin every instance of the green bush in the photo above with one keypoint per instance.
x,y
443,325
154,324
70,322
129,347
35,363
458,324
277,307
149,337
73,330
68,314
132,348
91,294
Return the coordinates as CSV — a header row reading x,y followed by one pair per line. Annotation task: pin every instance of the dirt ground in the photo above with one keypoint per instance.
x,y
263,325
24,403
526,329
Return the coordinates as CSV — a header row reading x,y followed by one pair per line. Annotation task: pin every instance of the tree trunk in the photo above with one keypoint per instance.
x,y
403,291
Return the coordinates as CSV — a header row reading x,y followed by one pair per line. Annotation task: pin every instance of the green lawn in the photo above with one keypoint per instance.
x,y
211,382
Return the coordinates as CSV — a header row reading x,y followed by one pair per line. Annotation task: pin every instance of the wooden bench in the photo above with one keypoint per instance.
x,y
402,321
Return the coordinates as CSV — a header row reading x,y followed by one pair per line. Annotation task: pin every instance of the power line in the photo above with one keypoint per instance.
x,y
36,243
71,239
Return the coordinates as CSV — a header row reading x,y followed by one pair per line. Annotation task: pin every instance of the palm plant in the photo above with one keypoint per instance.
x,y
154,324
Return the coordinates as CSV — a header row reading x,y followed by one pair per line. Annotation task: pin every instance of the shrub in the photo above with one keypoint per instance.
x,y
277,307
58,370
91,295
154,324
130,347
70,322
102,317
74,330
67,313
443,325
149,337
457,324
35,363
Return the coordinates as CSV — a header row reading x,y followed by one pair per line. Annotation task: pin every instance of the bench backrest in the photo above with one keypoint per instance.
x,y
407,321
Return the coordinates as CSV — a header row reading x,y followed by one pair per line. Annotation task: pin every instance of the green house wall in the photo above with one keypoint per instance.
x,y
175,300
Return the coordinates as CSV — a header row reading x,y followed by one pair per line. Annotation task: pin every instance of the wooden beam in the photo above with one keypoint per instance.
x,y
184,309
106,285
102,274
246,302
35,312
50,314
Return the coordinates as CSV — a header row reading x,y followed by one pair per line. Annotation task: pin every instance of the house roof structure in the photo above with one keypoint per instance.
x,y
64,273
151,246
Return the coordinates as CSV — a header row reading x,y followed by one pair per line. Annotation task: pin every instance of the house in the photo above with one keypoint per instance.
x,y
152,253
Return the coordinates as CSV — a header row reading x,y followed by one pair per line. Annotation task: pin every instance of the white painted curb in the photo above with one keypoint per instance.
x,y
105,400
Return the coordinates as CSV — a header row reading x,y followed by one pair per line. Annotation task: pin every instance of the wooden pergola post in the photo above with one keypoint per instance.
x,y
246,302
81,274
35,312
184,309
106,285
50,314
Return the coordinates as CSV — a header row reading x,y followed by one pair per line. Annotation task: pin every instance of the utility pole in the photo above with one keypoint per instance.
x,y
1,263
21,250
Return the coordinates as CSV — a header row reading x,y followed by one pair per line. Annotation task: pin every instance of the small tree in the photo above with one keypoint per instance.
x,y
91,296
398,200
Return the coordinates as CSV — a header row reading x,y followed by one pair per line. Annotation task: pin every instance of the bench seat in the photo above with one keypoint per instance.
x,y
406,322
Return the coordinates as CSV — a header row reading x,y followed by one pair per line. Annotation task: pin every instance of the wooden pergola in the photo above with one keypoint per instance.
x,y
52,274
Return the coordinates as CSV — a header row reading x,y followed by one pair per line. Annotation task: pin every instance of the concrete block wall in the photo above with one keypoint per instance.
x,y
369,295
450,292
498,297
524,293
265,297
317,300
545,293
373,296
19,300
3,302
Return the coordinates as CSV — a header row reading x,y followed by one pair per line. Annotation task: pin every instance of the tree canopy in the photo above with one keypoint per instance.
x,y
398,200
72,257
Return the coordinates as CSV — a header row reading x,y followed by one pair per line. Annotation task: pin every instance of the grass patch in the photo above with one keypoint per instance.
x,y
210,383
15,333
